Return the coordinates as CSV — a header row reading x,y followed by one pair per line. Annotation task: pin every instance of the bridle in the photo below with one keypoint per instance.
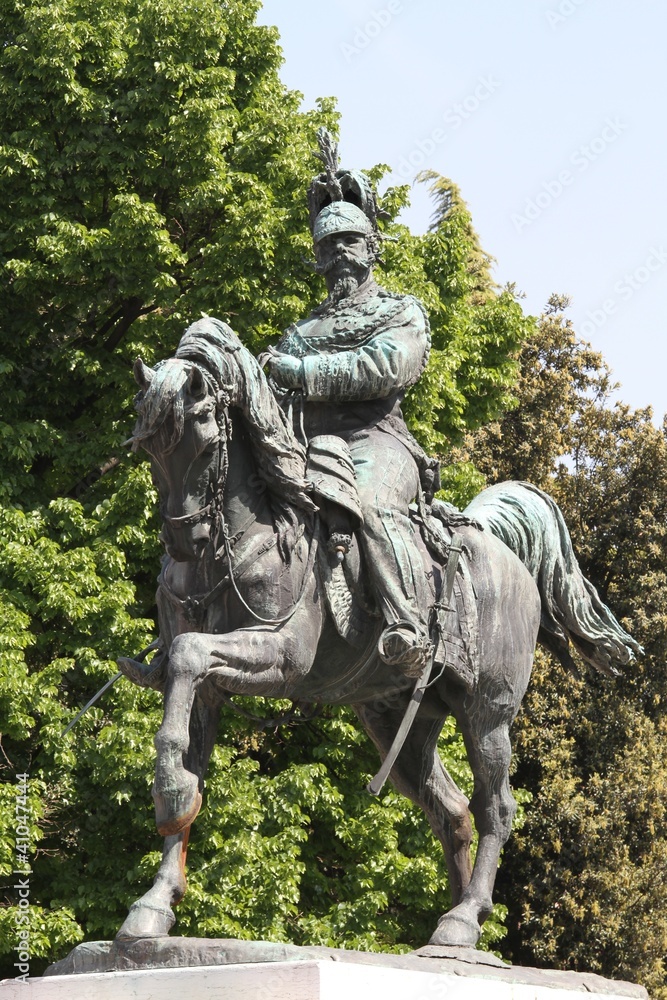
x,y
215,509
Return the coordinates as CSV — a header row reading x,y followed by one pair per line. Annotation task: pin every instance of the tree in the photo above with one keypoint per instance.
x,y
152,166
477,328
585,878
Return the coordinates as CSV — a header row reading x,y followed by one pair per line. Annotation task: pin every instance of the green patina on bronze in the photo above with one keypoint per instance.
x,y
297,567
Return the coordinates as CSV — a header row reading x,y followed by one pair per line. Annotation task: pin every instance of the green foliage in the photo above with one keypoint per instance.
x,y
304,853
153,167
460,482
476,329
586,876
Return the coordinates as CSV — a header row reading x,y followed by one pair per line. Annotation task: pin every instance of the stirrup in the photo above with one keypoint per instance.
x,y
151,675
412,647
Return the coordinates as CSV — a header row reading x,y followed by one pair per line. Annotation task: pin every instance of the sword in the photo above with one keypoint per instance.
x,y
139,657
92,701
375,786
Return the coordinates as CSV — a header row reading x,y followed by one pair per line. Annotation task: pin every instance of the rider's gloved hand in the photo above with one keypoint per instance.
x,y
286,371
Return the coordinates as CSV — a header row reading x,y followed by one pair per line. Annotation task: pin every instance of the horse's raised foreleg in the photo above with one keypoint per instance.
x,y
176,789
419,774
262,661
202,730
493,808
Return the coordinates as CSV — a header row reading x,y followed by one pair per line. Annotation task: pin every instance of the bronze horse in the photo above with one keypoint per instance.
x,y
243,610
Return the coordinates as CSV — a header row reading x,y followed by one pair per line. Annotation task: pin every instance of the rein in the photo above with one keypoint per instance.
x,y
187,520
214,507
196,607
312,551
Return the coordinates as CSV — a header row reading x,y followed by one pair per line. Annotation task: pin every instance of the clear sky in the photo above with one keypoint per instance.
x,y
549,115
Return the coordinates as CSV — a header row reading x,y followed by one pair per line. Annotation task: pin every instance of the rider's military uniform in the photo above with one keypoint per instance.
x,y
358,358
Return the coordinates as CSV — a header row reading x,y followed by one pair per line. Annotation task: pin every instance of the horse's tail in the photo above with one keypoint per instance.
x,y
530,523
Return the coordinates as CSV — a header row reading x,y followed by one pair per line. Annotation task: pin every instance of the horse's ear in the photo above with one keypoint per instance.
x,y
197,387
142,374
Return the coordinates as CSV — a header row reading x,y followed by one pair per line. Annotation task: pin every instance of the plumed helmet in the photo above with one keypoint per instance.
x,y
341,217
340,200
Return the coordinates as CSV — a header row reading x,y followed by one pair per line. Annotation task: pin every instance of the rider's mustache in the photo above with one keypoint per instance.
x,y
357,263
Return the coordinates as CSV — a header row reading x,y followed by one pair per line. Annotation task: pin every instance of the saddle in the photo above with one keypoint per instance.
x,y
454,628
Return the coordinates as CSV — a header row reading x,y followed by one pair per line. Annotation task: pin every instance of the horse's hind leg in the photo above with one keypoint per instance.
x,y
493,808
152,914
419,775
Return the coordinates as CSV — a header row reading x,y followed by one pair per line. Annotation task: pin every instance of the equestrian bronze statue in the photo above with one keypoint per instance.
x,y
307,558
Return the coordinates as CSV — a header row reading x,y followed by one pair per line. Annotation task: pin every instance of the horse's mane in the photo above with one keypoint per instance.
x,y
237,380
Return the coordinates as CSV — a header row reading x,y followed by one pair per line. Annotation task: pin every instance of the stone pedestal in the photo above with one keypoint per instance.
x,y
199,969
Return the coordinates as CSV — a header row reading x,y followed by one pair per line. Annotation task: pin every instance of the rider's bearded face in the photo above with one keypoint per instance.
x,y
345,261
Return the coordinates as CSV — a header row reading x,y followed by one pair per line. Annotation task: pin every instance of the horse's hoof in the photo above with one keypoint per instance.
x,y
177,809
145,920
456,931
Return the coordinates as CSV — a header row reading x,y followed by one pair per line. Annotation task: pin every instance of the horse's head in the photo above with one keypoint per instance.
x,y
184,425
181,426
